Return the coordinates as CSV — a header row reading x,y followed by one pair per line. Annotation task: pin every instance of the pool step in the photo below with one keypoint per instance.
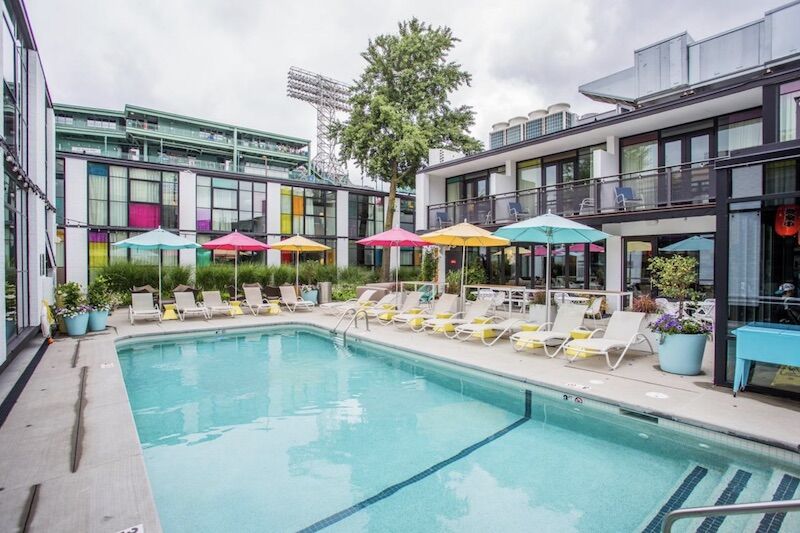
x,y
782,486
680,497
735,487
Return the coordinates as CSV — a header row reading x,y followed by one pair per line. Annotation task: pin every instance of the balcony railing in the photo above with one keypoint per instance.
x,y
661,188
182,132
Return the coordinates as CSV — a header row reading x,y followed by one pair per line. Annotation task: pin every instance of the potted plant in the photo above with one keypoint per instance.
x,y
73,309
683,339
100,301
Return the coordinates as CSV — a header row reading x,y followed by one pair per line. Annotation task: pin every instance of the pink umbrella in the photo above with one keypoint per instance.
x,y
394,238
593,248
541,251
237,242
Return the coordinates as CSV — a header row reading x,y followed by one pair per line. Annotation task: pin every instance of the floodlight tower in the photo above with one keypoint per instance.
x,y
327,96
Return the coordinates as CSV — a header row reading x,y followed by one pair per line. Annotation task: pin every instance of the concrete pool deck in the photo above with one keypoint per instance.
x,y
72,460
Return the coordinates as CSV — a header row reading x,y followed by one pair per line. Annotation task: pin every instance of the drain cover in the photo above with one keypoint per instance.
x,y
657,395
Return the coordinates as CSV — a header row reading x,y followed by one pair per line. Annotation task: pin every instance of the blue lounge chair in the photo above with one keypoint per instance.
x,y
518,212
627,199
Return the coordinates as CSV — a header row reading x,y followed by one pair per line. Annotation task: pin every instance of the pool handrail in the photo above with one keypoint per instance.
x,y
727,510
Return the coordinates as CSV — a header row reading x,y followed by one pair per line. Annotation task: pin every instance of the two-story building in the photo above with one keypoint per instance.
x,y
702,140
120,173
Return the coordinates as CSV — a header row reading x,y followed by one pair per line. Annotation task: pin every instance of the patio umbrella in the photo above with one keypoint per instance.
x,y
394,238
464,234
298,244
157,239
550,229
692,244
237,242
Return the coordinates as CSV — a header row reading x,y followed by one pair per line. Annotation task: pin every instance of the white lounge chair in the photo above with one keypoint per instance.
x,y
496,326
291,301
594,311
212,301
255,301
568,318
446,304
185,305
387,303
386,316
477,309
142,306
621,333
333,308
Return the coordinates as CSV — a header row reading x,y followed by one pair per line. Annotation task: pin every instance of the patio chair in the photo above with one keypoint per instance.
x,y
142,306
144,288
627,199
386,316
594,311
445,305
473,312
443,219
495,298
568,318
185,305
272,293
212,300
290,299
333,308
254,301
587,206
666,306
621,333
517,212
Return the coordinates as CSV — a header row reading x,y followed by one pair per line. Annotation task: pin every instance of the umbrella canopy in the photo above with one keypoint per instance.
x,y
394,238
550,229
298,244
464,234
575,249
157,239
692,244
237,242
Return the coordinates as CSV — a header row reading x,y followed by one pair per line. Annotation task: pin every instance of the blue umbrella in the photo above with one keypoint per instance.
x,y
692,244
550,229
158,239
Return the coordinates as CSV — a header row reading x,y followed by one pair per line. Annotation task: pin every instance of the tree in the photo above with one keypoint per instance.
x,y
401,108
674,277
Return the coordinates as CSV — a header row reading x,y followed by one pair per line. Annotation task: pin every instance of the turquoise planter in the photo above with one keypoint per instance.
x,y
97,320
311,296
76,326
681,354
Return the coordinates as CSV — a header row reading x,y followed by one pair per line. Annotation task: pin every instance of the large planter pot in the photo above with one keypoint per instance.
x,y
76,326
681,354
97,320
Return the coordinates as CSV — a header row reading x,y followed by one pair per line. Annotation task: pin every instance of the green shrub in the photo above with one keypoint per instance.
x,y
342,292
312,272
282,275
214,277
122,276
475,275
427,270
356,276
407,273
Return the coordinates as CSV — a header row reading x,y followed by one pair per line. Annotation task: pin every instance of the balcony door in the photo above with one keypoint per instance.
x,y
686,171
559,172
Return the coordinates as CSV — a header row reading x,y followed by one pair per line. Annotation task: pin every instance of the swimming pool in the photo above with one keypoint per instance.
x,y
284,429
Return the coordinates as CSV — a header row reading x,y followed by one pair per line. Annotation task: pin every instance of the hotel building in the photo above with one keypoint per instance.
x,y
119,173
701,139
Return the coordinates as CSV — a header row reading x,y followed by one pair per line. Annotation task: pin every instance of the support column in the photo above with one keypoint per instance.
x,y
342,228
273,221
76,205
187,215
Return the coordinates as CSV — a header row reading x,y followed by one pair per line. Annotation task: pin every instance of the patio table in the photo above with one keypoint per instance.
x,y
521,291
763,342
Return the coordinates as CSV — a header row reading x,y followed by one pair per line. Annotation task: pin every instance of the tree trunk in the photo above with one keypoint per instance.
x,y
389,210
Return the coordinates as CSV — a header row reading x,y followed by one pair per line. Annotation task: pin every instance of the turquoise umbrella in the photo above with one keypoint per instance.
x,y
550,229
692,244
158,239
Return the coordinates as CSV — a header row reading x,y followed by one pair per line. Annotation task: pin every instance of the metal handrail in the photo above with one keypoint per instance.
x,y
356,313
727,510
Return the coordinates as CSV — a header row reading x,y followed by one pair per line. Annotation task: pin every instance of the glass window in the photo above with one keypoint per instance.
x,y
741,130
640,156
306,211
789,97
780,176
60,191
230,204
529,174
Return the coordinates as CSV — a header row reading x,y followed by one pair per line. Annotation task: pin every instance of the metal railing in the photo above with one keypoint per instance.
x,y
728,510
659,188
356,313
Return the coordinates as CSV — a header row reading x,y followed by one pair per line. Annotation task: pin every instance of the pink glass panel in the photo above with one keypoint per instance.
x,y
203,219
144,215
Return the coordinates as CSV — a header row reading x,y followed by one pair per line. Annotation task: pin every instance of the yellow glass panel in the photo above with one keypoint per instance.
x,y
98,254
286,223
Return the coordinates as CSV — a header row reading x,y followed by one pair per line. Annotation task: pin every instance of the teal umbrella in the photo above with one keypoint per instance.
x,y
550,229
158,239
692,244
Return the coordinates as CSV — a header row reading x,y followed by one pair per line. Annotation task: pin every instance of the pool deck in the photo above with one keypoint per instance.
x,y
71,459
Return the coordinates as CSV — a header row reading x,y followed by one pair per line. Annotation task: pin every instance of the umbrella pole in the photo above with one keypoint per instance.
x,y
159,280
463,277
297,271
235,272
547,286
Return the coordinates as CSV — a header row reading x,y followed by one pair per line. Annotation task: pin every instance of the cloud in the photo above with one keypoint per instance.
x,y
227,61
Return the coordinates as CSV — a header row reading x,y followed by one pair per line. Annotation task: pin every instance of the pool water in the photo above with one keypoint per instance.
x,y
285,429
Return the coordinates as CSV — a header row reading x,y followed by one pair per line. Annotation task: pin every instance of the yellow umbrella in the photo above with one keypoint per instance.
x,y
298,244
464,235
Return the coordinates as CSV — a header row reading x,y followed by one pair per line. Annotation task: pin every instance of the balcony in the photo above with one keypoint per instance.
x,y
149,128
651,190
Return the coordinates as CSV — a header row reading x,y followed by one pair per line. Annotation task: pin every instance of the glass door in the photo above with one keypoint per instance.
x,y
686,173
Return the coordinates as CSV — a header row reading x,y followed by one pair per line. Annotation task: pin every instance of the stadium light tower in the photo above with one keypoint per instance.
x,y
327,96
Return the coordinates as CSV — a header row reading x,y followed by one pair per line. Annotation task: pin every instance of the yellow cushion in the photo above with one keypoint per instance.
x,y
445,328
481,320
580,333
529,327
484,334
444,315
521,344
387,316
388,306
416,322
415,311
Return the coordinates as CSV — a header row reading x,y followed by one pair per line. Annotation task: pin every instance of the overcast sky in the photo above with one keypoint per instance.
x,y
227,60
